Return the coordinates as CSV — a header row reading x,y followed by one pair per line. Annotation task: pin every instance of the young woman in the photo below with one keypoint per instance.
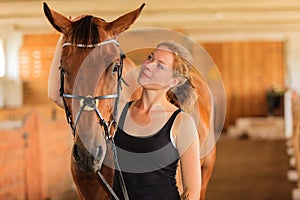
x,y
155,132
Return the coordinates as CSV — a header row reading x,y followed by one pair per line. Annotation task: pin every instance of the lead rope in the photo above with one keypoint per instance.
x,y
107,185
120,177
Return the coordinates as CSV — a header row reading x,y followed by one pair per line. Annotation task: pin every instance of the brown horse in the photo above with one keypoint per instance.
x,y
90,59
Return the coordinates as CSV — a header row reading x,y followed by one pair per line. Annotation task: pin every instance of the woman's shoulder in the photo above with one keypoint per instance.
x,y
185,118
184,131
184,123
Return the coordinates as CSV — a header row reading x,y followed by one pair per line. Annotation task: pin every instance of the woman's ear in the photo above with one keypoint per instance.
x,y
174,82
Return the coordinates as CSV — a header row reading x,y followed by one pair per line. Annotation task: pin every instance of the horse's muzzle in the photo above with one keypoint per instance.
x,y
88,161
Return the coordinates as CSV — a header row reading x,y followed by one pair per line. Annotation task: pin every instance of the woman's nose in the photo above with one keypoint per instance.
x,y
149,66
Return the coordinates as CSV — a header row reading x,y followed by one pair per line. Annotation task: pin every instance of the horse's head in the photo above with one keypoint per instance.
x,y
90,75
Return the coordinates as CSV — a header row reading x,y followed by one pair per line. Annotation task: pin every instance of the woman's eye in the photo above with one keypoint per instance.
x,y
159,66
150,57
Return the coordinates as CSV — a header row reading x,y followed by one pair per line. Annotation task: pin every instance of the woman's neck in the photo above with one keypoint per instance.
x,y
150,99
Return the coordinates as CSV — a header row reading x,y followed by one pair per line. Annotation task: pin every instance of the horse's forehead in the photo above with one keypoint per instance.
x,y
91,70
102,56
93,62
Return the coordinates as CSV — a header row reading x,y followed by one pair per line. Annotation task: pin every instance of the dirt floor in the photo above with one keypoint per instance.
x,y
245,170
250,170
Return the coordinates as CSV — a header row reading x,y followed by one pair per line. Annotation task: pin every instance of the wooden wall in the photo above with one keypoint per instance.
x,y
35,60
295,139
36,161
248,68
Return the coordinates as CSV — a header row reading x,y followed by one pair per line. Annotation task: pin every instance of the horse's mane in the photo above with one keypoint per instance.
x,y
85,31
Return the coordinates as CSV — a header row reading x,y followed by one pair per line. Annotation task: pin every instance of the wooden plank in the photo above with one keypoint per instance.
x,y
56,147
33,174
38,167
12,165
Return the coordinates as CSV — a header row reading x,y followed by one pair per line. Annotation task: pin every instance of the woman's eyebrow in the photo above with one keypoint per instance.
x,y
162,62
159,60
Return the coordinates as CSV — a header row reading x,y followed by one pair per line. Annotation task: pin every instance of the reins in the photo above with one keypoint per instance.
x,y
89,103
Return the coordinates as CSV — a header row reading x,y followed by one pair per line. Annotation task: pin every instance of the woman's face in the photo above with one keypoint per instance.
x,y
156,71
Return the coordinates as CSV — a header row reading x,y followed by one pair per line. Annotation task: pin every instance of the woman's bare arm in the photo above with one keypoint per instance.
x,y
187,142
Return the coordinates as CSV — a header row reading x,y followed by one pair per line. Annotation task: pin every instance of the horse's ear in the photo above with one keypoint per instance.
x,y
57,20
122,23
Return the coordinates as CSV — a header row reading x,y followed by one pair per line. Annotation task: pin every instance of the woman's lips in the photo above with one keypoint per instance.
x,y
145,75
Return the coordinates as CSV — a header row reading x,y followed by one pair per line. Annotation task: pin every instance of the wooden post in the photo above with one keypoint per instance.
x,y
32,157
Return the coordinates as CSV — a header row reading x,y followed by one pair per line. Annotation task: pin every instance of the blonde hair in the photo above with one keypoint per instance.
x,y
183,95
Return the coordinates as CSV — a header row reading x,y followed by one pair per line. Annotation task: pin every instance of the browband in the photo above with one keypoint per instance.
x,y
92,45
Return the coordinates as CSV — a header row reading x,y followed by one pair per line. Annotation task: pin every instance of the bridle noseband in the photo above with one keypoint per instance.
x,y
89,103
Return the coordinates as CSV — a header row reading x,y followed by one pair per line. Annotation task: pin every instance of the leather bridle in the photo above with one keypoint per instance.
x,y
89,103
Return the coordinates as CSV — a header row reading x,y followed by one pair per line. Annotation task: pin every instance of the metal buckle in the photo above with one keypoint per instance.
x,y
89,103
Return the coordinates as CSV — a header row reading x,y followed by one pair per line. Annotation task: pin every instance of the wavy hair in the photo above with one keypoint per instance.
x,y
182,95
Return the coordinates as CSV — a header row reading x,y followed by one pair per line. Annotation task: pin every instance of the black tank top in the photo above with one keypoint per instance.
x,y
148,164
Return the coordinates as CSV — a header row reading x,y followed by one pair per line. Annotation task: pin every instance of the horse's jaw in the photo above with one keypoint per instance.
x,y
88,184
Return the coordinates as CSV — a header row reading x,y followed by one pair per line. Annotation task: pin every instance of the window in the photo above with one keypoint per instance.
x,y
2,58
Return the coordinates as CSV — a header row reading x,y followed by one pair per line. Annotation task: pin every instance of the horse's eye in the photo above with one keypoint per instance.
x,y
116,68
